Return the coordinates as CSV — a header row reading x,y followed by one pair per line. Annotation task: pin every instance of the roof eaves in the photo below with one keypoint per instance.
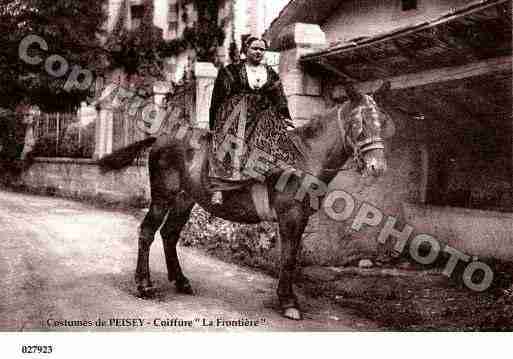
x,y
280,15
371,40
296,11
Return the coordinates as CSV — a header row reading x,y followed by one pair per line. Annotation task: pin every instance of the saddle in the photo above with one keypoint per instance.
x,y
200,167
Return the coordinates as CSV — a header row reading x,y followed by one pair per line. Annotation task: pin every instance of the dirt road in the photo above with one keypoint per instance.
x,y
68,266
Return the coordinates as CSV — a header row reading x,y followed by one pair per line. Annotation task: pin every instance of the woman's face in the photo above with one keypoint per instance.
x,y
255,52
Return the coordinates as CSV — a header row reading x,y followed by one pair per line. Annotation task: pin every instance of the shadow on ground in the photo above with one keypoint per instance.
x,y
416,300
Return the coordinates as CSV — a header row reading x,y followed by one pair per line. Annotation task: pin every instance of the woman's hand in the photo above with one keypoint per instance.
x,y
288,122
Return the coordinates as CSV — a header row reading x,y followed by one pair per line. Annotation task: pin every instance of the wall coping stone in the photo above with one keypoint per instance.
x,y
205,69
425,209
302,35
83,161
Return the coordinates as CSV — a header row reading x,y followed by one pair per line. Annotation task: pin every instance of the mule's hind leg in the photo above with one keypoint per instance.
x,y
170,232
292,224
148,228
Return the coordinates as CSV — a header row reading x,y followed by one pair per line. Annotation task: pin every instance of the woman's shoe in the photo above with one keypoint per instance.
x,y
217,198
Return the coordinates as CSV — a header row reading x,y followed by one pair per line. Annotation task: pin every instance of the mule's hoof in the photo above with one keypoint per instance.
x,y
292,313
184,288
146,291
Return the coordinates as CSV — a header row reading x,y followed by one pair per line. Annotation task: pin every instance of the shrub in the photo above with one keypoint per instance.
x,y
69,144
255,245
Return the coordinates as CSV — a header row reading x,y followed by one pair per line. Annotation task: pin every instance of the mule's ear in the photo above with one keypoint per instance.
x,y
351,92
389,129
383,90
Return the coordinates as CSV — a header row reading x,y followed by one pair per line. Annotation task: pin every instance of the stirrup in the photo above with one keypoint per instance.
x,y
217,198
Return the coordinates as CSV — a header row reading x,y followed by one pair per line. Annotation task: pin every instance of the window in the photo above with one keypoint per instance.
x,y
137,15
173,18
407,5
137,11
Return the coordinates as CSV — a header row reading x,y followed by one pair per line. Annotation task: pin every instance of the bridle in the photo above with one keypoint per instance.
x,y
359,147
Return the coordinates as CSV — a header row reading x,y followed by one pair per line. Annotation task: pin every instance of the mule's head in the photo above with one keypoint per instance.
x,y
367,128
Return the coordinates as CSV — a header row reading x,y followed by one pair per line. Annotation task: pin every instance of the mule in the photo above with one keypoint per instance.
x,y
178,171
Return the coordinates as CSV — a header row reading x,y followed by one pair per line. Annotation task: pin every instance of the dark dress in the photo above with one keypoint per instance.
x,y
265,112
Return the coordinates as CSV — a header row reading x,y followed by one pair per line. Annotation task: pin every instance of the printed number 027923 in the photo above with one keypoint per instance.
x,y
36,349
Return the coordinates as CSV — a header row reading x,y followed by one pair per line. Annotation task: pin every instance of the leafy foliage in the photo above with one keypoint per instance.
x,y
12,132
206,35
253,245
136,50
74,30
71,28
141,51
203,39
71,144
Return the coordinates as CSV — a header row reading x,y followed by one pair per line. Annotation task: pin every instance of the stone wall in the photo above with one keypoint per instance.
x,y
335,242
254,245
408,156
353,18
82,179
473,232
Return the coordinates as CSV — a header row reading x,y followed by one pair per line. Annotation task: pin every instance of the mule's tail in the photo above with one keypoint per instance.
x,y
124,156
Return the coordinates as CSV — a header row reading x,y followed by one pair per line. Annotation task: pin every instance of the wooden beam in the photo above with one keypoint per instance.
x,y
443,74
457,45
505,12
334,69
404,51
472,8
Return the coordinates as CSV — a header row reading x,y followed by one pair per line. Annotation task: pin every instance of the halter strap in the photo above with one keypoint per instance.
x,y
343,138
371,143
360,147
339,123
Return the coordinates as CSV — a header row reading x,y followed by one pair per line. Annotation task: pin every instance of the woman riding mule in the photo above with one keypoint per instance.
x,y
248,110
178,168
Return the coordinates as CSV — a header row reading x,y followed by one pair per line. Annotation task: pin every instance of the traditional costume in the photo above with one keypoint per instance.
x,y
248,103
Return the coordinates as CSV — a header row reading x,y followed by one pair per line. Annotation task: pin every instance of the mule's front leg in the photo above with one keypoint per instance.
x,y
149,226
292,225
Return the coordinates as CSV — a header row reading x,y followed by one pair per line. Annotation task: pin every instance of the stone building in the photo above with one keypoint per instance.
x,y
449,65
